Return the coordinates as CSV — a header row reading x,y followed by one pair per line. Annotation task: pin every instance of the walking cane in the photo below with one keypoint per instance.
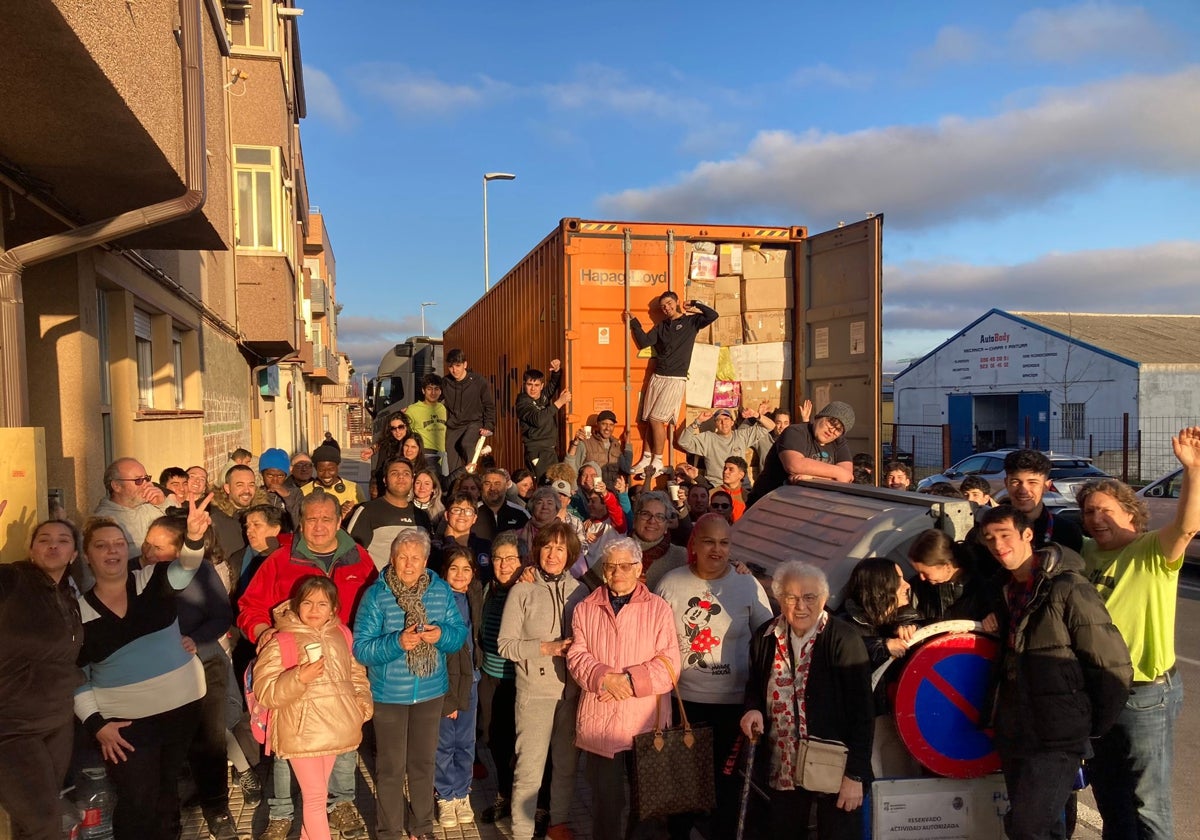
x,y
747,783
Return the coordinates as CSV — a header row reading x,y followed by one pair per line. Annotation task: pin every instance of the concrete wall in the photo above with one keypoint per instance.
x,y
1169,399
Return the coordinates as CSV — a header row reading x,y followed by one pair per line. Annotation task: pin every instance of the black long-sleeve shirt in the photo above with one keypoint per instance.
x,y
469,400
673,340
539,418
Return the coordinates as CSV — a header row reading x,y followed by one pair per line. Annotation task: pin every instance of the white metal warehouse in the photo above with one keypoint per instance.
x,y
1061,381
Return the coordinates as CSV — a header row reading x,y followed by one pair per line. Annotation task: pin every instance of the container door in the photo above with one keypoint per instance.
x,y
838,334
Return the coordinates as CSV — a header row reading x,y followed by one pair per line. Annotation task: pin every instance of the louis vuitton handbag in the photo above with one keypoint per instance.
x,y
672,767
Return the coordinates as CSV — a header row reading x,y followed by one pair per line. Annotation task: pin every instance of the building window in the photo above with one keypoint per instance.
x,y
256,169
251,25
144,350
177,365
1073,421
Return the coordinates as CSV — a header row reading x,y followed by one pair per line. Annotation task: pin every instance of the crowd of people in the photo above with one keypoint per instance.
x,y
546,615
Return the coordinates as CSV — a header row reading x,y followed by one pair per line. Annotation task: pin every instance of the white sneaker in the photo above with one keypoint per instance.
x,y
447,813
466,814
656,463
640,466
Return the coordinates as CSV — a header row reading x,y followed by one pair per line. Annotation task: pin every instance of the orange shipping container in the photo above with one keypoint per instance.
x,y
565,300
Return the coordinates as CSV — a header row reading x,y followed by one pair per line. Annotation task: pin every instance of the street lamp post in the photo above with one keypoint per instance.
x,y
489,176
423,305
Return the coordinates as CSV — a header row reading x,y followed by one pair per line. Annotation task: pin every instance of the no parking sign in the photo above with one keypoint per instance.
x,y
938,702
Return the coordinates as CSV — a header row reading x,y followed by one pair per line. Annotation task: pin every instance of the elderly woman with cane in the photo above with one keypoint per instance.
x,y
810,694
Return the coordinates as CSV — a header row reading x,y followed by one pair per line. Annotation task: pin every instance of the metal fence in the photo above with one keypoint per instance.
x,y
1135,453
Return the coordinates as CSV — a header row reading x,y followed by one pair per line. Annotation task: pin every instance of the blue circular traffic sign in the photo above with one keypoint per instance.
x,y
939,697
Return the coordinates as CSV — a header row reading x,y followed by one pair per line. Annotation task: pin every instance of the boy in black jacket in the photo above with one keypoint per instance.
x,y
1064,672
537,413
470,410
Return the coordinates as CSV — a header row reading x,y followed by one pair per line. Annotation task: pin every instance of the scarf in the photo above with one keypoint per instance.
x,y
422,660
651,551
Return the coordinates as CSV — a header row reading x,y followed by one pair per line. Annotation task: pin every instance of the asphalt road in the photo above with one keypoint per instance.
x,y
1187,729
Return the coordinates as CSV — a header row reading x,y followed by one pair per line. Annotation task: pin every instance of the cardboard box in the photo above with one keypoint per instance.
x,y
704,291
727,330
728,291
704,266
758,263
730,257
767,293
767,326
762,361
726,394
774,392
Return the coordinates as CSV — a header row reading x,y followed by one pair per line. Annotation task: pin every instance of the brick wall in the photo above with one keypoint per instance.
x,y
227,397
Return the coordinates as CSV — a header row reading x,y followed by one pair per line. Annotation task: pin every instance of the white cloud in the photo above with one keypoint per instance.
x,y
605,88
954,169
822,75
926,302
324,100
412,93
953,45
1088,29
365,339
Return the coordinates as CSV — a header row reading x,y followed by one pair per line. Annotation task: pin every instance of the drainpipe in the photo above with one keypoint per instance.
x,y
14,374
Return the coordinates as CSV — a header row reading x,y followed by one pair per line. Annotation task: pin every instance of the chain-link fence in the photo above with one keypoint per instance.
x,y
1135,452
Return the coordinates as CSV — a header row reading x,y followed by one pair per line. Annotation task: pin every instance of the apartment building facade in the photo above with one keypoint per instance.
x,y
154,299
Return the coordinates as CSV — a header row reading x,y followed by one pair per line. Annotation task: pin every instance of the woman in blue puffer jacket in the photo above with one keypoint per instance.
x,y
406,625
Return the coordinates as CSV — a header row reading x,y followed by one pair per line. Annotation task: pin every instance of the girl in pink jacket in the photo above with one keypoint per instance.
x,y
620,631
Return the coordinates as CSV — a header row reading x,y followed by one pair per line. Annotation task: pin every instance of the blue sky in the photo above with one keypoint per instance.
x,y
1034,157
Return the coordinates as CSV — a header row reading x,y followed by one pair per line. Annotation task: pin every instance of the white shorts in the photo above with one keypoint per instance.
x,y
663,397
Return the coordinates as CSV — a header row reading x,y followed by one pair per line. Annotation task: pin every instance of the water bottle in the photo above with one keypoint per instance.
x,y
69,813
95,799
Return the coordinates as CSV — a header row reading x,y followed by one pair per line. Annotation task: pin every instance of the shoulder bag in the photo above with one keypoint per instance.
x,y
672,767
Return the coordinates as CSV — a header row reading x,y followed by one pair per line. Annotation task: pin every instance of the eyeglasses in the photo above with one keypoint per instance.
x,y
652,517
506,558
836,425
619,567
139,481
302,465
720,506
399,428
459,511
793,600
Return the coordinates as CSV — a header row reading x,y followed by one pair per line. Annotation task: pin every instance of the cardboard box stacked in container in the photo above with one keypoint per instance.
x,y
752,289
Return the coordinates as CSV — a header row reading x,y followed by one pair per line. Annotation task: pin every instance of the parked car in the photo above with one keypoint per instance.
x,y
1162,498
1067,473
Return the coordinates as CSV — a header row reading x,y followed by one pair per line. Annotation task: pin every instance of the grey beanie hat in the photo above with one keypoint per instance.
x,y
841,412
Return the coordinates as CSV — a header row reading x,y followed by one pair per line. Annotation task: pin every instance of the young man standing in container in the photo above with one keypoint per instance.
x,y
470,410
537,414
672,339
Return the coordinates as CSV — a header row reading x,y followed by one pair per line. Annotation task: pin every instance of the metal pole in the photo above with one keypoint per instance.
x,y
487,280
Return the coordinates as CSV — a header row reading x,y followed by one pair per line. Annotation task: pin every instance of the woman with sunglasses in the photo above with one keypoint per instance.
x,y
387,445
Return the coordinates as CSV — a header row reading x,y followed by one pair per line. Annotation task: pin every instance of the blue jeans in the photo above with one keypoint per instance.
x,y
1131,771
456,751
1038,788
341,785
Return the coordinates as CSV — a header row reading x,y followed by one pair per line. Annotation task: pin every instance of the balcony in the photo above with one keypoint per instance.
x,y
318,293
320,365
266,301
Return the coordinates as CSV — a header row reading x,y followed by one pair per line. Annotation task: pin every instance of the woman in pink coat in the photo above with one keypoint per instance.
x,y
620,630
